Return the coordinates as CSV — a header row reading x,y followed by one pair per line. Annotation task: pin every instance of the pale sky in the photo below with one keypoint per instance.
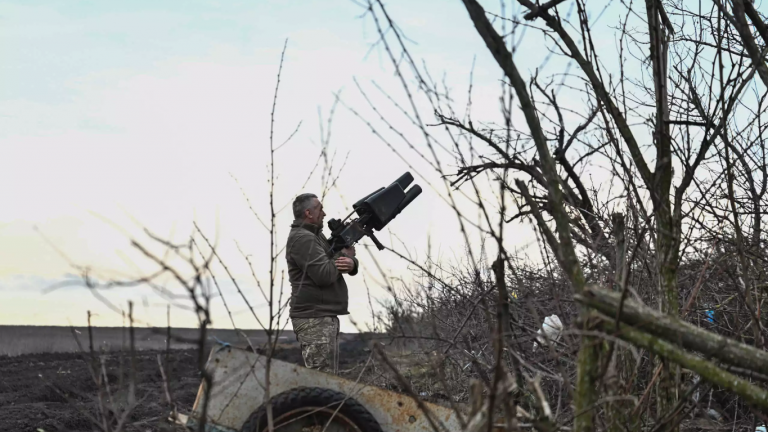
x,y
118,115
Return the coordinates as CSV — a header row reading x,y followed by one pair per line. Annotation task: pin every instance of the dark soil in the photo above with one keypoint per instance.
x,y
56,391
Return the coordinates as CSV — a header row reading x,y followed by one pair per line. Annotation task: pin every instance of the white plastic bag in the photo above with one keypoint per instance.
x,y
551,328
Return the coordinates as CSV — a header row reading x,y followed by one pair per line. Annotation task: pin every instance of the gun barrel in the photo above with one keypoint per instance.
x,y
404,180
410,195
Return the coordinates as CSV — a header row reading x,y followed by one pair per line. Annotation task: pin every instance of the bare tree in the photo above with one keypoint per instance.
x,y
682,84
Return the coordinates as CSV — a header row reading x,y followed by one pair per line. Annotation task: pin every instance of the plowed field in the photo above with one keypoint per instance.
x,y
56,391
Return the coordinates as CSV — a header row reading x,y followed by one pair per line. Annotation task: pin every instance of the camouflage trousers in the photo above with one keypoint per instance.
x,y
319,339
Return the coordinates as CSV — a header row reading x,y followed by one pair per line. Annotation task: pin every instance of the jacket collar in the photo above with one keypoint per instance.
x,y
314,229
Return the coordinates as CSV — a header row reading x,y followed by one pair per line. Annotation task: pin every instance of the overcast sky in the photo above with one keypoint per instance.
x,y
120,115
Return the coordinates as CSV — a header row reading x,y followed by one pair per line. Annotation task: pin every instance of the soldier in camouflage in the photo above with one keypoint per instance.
x,y
318,291
319,342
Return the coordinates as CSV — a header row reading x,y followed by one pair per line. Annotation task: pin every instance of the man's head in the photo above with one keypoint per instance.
x,y
309,209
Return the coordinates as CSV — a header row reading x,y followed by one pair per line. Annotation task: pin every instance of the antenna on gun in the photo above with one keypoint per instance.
x,y
348,216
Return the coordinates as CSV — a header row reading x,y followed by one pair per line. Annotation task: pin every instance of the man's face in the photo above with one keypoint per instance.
x,y
315,213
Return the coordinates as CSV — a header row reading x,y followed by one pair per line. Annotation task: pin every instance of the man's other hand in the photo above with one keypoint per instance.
x,y
344,264
350,251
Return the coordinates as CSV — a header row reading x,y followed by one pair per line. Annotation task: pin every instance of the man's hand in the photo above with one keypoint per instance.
x,y
344,264
350,251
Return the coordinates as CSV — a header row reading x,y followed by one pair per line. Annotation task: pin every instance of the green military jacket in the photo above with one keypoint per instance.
x,y
317,287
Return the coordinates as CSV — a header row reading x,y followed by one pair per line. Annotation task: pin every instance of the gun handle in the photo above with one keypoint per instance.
x,y
375,240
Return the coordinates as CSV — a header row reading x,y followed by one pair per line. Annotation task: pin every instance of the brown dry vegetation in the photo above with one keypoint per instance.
x,y
675,130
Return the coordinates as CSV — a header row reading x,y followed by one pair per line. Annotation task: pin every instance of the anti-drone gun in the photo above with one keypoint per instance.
x,y
374,212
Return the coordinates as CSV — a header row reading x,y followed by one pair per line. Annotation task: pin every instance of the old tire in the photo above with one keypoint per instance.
x,y
314,405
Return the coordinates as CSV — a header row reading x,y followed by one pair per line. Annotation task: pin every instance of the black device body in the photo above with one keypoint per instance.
x,y
374,212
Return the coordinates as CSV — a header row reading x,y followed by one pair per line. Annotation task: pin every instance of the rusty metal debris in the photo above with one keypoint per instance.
x,y
238,390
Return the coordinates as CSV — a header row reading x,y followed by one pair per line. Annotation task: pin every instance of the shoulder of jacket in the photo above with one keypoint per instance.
x,y
301,233
300,236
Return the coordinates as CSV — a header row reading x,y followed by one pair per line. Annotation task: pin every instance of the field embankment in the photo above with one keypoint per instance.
x,y
17,340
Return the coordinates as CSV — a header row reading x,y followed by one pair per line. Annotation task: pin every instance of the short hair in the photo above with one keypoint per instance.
x,y
302,203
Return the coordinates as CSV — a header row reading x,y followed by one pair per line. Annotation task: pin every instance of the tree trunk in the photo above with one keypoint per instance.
x,y
667,232
619,419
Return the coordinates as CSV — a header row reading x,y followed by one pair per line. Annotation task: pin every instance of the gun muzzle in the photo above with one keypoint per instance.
x,y
410,195
405,180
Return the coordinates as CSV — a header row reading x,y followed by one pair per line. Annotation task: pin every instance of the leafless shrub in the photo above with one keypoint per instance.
x,y
675,224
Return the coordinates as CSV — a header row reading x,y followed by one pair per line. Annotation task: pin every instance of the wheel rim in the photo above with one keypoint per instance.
x,y
313,419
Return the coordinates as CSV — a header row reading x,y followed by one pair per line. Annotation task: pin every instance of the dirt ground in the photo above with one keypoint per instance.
x,y
55,391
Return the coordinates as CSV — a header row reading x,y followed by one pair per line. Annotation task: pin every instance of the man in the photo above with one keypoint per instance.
x,y
318,291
